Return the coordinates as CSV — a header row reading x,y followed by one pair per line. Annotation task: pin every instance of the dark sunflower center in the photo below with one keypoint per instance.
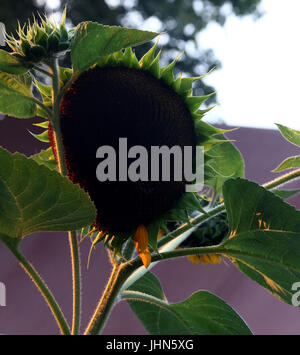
x,y
105,104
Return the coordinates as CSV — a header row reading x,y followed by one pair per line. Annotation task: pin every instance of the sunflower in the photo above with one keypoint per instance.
x,y
211,232
119,97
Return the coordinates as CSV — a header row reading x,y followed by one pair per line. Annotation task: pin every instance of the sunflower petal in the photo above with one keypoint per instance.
x,y
141,244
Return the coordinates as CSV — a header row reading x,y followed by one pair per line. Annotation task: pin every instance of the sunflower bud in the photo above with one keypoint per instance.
x,y
40,41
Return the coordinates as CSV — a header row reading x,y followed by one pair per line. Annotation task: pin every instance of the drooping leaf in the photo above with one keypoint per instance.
x,y
264,240
15,96
33,199
203,313
226,162
291,135
92,41
289,163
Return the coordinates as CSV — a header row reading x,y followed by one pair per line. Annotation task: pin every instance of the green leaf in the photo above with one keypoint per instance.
x,y
15,96
34,199
290,134
201,314
285,194
45,90
64,75
45,157
226,162
150,285
9,64
42,137
289,163
264,240
92,41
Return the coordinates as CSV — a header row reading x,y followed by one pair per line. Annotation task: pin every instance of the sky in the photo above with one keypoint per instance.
x,y
257,85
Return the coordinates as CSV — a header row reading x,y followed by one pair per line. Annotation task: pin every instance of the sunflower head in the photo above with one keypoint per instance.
x,y
122,97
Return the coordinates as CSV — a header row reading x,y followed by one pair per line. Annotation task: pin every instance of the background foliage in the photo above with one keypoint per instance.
x,y
183,20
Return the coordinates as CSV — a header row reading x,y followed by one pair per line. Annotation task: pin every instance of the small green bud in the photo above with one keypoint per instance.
x,y
53,42
38,52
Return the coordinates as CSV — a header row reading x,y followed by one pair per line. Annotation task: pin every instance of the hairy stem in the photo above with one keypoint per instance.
x,y
118,276
76,277
74,248
41,285
283,179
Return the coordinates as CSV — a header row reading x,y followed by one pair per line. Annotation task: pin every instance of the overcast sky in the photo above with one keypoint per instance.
x,y
258,84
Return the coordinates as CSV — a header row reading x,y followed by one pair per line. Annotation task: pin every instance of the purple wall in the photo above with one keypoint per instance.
x,y
27,313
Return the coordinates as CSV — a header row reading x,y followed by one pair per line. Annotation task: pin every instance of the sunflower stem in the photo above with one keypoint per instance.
x,y
119,275
74,247
41,285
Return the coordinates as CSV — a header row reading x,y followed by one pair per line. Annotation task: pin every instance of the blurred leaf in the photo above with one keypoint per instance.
x,y
34,199
9,64
290,134
264,240
203,313
93,41
289,163
15,96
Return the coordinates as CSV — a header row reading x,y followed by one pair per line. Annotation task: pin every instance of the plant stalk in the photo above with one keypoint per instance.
x,y
74,247
43,288
118,276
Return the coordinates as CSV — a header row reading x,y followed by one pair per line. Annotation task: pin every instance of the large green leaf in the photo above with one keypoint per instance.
x,y
202,313
264,240
92,40
9,64
225,162
34,198
289,163
290,134
15,96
